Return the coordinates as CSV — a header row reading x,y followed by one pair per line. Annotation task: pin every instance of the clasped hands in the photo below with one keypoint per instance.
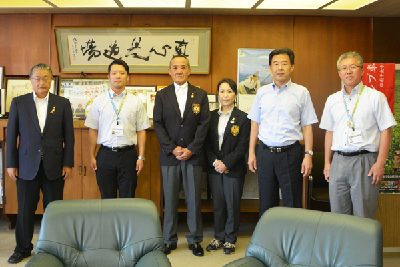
x,y
182,153
220,167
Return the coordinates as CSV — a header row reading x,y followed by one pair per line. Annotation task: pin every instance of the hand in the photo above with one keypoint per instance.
x,y
13,173
306,166
66,172
187,154
252,162
139,166
220,167
93,164
377,171
177,152
327,169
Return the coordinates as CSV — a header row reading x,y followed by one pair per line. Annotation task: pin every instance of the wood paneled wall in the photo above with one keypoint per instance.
x,y
26,40
318,43
386,40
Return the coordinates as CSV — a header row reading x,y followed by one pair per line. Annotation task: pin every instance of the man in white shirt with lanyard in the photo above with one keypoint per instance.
x,y
358,122
117,121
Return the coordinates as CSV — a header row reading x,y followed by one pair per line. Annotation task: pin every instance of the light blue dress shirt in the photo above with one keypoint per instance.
x,y
282,113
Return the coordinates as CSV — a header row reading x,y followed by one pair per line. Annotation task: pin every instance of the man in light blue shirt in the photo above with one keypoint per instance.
x,y
282,114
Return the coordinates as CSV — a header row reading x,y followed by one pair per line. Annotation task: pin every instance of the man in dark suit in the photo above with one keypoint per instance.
x,y
181,117
44,157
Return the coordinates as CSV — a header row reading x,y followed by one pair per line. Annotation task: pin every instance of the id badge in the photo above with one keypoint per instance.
x,y
354,137
117,129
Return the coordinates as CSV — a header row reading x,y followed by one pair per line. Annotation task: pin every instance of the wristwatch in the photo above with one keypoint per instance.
x,y
142,158
310,152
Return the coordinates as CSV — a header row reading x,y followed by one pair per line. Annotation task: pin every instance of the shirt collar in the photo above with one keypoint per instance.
x,y
35,98
227,114
114,94
184,86
356,89
275,87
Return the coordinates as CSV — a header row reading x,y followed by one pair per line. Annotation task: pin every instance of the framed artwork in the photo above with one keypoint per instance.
x,y
81,93
142,91
145,50
159,88
253,72
151,97
1,77
17,85
213,102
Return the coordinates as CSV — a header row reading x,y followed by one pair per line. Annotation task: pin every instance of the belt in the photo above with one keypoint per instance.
x,y
118,149
351,154
279,149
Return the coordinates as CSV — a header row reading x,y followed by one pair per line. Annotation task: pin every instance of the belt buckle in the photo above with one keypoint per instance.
x,y
114,149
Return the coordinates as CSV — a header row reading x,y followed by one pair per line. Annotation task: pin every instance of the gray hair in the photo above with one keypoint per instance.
x,y
175,56
350,54
41,66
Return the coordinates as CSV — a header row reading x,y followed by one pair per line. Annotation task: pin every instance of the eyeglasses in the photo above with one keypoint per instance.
x,y
352,68
38,79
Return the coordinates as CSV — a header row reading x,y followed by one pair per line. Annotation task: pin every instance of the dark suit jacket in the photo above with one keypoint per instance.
x,y
233,148
172,130
56,142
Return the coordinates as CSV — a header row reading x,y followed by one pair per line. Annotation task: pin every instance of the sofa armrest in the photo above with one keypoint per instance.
x,y
44,260
247,261
154,258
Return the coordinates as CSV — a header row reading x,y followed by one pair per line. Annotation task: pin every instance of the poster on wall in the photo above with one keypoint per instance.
x,y
253,73
381,76
390,183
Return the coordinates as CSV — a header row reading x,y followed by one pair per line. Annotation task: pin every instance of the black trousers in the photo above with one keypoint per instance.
x,y
28,195
279,170
226,194
116,171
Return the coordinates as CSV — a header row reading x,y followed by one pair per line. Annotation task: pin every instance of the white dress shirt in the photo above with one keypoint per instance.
x,y
181,96
41,109
372,116
223,121
102,117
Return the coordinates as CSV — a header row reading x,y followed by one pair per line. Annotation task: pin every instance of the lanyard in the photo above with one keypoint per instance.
x,y
115,109
350,122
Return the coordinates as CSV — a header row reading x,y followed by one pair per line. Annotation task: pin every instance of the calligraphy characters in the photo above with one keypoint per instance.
x,y
134,50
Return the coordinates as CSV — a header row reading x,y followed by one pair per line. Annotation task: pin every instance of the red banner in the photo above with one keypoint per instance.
x,y
381,76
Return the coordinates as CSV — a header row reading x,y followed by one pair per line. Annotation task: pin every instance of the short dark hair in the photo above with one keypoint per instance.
x,y
282,51
231,83
41,66
175,56
119,62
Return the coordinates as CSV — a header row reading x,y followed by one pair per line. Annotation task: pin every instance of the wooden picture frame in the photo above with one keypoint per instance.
x,y
145,50
17,85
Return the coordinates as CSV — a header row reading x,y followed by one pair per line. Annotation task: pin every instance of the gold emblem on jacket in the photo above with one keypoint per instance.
x,y
235,130
196,108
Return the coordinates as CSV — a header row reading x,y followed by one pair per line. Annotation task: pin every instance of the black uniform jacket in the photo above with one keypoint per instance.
x,y
172,130
234,146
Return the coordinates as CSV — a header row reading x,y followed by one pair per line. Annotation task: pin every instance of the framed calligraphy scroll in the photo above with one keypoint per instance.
x,y
145,50
17,85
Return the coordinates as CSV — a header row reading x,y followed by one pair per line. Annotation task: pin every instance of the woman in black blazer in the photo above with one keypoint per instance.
x,y
226,144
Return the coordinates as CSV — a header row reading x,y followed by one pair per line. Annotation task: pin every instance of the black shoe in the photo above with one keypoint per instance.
x,y
229,248
169,247
17,257
196,249
215,245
